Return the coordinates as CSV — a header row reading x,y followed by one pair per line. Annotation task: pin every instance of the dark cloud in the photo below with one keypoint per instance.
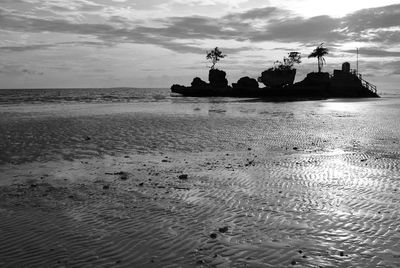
x,y
276,25
298,29
47,46
31,72
373,18
26,48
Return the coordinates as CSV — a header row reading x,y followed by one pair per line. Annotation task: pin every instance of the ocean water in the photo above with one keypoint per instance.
x,y
80,95
53,124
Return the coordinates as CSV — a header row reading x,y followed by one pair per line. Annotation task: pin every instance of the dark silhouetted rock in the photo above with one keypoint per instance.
x,y
106,187
178,88
213,235
198,83
246,83
317,79
217,78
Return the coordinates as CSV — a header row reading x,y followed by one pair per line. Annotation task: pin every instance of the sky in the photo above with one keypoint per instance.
x,y
156,43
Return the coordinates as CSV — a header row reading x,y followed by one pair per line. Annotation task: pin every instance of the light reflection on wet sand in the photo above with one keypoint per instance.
x,y
311,183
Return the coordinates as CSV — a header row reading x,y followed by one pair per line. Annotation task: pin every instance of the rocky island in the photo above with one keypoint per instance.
x,y
279,81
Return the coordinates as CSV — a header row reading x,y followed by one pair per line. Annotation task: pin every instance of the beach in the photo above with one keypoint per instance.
x,y
137,178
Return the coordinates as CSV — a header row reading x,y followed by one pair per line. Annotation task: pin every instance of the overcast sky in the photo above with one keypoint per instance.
x,y
154,43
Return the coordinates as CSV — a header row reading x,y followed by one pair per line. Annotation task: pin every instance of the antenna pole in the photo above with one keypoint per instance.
x,y
357,61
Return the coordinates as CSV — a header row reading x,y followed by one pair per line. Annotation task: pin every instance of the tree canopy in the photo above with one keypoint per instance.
x,y
319,52
214,55
288,62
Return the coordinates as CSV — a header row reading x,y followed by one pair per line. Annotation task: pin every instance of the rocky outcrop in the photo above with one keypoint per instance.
x,y
217,78
217,86
198,83
314,86
246,83
277,78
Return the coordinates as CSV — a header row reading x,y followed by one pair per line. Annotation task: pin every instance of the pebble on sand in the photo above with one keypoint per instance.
x,y
183,177
123,176
223,229
106,187
213,235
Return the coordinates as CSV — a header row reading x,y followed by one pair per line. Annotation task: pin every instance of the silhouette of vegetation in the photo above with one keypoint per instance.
x,y
319,53
288,62
214,55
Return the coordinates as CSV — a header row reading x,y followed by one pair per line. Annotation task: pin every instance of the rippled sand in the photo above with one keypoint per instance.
x,y
307,184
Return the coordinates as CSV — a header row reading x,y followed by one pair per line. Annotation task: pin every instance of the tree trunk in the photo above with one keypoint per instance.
x,y
319,64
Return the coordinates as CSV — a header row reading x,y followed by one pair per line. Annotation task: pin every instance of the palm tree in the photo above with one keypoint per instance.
x,y
214,55
319,53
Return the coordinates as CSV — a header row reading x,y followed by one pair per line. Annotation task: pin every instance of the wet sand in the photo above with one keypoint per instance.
x,y
278,189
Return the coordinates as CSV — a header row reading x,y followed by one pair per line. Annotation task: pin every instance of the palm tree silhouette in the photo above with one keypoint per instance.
x,y
319,53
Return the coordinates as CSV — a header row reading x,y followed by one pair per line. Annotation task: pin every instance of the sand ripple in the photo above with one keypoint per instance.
x,y
308,209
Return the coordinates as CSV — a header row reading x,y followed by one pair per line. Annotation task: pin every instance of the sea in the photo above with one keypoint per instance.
x,y
66,124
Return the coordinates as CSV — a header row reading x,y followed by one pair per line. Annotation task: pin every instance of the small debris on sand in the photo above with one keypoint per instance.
x,y
293,262
213,235
141,184
123,176
106,187
223,229
183,177
295,148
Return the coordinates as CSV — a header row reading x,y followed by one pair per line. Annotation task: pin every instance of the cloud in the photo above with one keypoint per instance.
x,y
298,29
31,72
18,69
375,52
255,25
22,48
26,48
373,18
